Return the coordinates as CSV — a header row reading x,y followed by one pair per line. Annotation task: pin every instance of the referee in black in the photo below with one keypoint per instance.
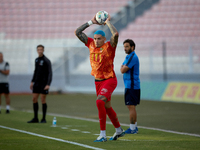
x,y
40,83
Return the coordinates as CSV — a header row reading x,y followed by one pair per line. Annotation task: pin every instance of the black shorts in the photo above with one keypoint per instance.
x,y
4,88
39,88
132,96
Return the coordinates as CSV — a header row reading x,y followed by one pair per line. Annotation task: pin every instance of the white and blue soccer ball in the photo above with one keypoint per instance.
x,y
101,16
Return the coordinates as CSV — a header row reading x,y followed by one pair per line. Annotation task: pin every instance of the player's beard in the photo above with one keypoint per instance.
x,y
128,51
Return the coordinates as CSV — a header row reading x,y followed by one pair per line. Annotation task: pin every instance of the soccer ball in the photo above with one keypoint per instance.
x,y
101,16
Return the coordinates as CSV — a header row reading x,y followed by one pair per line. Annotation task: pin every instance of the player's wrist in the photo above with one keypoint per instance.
x,y
90,22
107,21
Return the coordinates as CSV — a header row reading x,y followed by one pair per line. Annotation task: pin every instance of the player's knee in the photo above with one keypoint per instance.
x,y
43,101
34,99
108,105
100,103
101,97
6,96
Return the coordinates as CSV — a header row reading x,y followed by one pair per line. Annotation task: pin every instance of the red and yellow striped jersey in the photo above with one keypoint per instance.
x,y
101,59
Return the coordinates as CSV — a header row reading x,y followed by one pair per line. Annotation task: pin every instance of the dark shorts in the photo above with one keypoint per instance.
x,y
132,96
4,88
39,88
106,87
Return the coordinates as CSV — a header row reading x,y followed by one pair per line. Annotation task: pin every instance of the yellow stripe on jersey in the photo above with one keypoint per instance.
x,y
92,55
96,56
100,57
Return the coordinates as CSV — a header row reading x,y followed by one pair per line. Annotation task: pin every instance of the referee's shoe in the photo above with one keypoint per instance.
x,y
34,120
43,121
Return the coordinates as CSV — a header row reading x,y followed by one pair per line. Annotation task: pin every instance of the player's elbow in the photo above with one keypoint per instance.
x,y
116,34
122,70
75,32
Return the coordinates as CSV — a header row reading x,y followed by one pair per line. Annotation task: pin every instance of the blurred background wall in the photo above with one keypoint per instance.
x,y
166,33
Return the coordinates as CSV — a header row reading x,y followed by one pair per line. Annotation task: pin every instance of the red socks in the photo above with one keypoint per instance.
x,y
113,117
102,113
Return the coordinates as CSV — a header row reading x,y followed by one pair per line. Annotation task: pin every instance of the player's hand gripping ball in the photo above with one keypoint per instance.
x,y
101,16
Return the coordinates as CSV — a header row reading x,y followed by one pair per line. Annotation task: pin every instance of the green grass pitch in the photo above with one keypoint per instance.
x,y
162,115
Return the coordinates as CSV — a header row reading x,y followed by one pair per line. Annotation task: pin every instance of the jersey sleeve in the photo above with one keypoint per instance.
x,y
7,66
89,41
49,72
34,74
123,63
111,48
131,61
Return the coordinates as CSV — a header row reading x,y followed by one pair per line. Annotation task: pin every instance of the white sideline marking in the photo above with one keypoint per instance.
x,y
108,122
170,131
75,130
96,134
148,140
52,138
86,132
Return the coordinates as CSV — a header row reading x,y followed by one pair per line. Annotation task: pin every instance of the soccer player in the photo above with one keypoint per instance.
x,y
4,85
102,55
130,71
41,83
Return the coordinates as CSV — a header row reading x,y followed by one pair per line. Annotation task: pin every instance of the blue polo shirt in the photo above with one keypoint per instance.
x,y
131,77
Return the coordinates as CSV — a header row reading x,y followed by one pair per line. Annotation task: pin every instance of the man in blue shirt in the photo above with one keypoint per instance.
x,y
130,71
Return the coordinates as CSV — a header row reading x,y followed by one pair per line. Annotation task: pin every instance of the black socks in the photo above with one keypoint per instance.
x,y
35,108
44,110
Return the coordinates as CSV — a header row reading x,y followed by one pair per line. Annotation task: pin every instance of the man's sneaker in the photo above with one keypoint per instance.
x,y
34,120
116,136
129,131
101,139
7,111
43,121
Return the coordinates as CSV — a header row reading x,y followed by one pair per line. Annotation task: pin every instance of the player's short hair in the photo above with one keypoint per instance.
x,y
131,42
1,53
40,46
100,32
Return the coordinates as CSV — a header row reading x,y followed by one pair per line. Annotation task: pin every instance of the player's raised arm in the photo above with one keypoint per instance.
x,y
113,30
79,33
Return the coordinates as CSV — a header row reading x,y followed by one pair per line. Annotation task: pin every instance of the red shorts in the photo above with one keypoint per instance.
x,y
106,87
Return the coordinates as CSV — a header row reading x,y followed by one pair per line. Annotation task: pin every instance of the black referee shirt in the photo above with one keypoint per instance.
x,y
43,71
